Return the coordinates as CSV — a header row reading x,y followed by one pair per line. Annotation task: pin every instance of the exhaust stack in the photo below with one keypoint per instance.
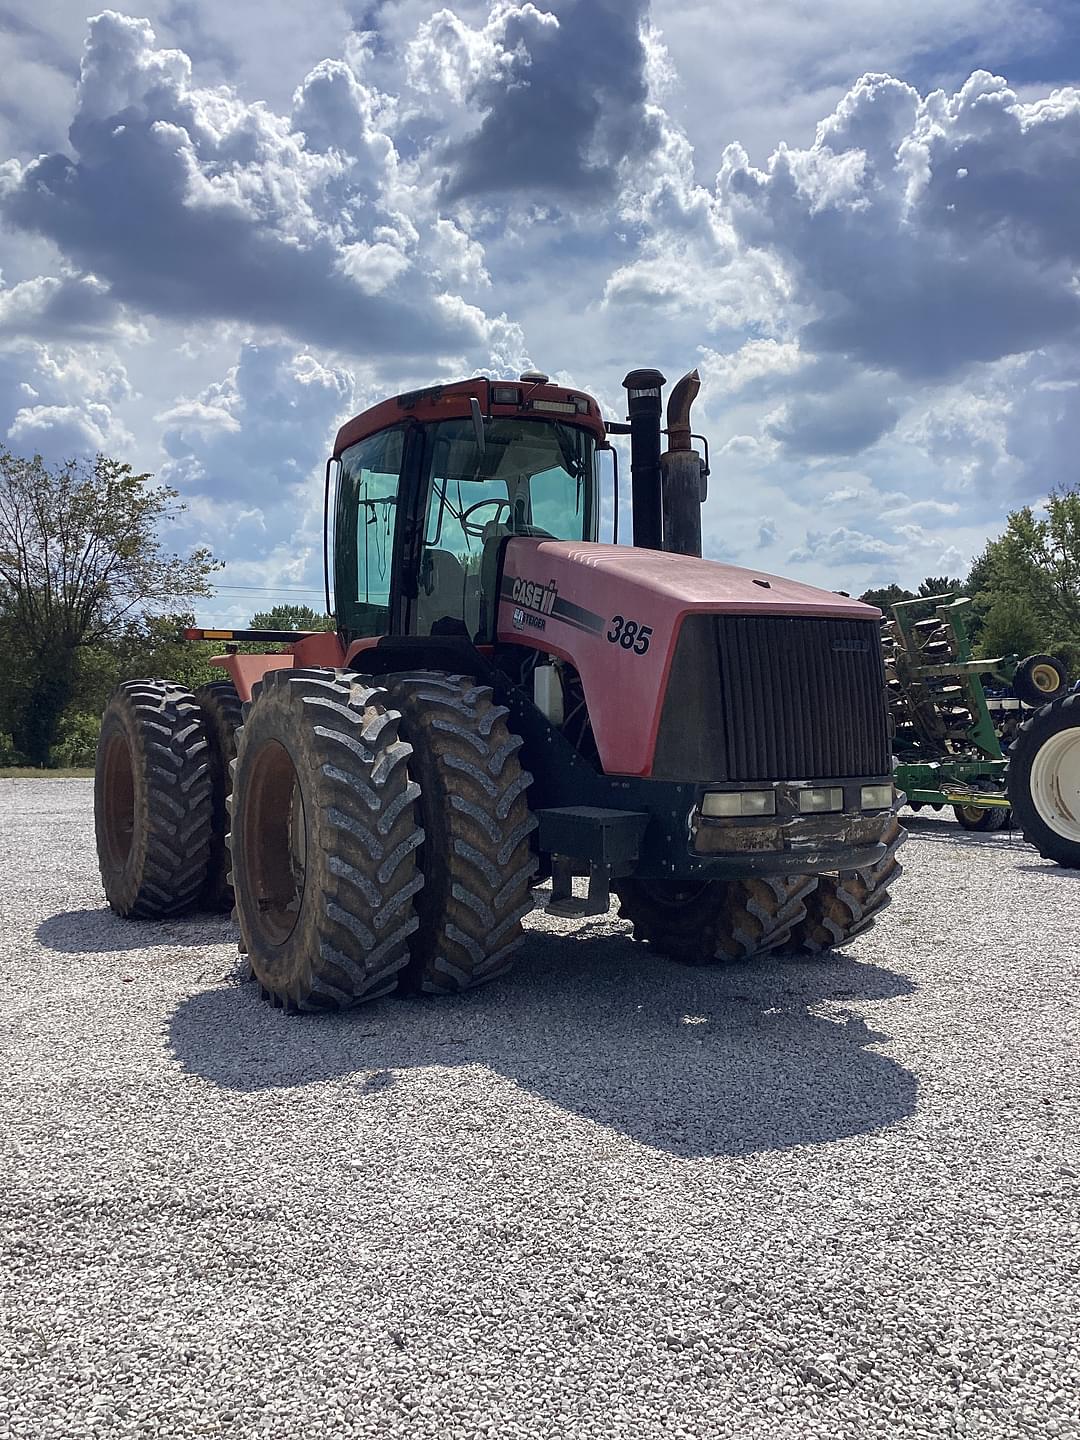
x,y
683,475
643,412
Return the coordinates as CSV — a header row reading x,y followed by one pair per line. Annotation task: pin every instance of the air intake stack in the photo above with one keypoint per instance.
x,y
643,389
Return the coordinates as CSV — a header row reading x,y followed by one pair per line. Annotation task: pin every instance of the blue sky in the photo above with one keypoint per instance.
x,y
223,229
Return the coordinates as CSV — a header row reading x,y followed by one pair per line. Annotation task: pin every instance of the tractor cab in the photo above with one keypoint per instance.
x,y
431,485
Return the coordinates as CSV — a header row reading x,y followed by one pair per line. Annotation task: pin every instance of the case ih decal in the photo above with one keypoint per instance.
x,y
533,596
533,599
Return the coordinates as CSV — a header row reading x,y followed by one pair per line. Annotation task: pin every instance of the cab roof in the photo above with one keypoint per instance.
x,y
497,398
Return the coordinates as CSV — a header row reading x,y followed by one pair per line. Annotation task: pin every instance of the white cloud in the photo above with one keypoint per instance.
x,y
50,305
188,201
842,496
755,360
884,312
923,508
842,547
67,431
906,267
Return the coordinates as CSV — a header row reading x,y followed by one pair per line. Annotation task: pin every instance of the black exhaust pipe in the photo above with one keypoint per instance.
x,y
643,411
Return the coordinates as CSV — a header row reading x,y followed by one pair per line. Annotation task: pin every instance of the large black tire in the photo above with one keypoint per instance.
x,y
843,906
1040,679
323,841
223,714
153,812
1044,780
706,921
477,858
971,817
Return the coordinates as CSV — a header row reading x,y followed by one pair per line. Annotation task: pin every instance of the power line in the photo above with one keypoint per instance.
x,y
274,589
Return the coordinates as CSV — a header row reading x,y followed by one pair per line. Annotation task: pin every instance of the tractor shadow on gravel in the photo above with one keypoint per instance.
x,y
695,1062
101,932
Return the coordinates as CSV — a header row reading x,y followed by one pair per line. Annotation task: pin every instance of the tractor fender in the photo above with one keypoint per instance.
x,y
323,650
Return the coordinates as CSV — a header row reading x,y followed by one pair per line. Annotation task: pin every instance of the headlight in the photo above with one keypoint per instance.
x,y
729,804
876,797
821,800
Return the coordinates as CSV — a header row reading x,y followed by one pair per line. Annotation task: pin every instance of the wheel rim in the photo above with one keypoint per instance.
x,y
275,841
1055,784
118,801
972,813
1045,678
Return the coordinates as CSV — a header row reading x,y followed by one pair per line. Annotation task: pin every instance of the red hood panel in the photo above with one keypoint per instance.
x,y
615,614
694,584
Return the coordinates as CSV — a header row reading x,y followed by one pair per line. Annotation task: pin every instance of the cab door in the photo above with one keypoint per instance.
x,y
367,525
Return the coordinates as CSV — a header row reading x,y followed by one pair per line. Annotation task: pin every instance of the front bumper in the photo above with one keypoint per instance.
x,y
790,842
807,845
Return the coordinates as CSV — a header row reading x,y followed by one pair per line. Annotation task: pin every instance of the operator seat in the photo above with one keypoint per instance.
x,y
442,590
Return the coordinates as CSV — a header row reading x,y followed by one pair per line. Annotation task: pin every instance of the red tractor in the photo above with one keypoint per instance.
x,y
504,700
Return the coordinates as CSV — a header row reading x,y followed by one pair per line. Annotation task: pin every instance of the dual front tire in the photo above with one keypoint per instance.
x,y
737,919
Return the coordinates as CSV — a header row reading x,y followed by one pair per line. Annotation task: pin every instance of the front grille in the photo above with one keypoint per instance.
x,y
802,698
757,697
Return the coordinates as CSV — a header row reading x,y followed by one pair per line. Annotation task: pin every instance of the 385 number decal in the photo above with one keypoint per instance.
x,y
629,634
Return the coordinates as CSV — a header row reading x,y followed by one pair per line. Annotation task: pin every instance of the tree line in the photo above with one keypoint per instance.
x,y
91,596
1025,585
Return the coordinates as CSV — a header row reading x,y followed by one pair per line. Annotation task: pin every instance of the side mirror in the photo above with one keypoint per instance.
x,y
477,424
602,450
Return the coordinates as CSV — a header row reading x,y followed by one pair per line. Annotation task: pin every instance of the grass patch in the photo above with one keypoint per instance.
x,y
27,772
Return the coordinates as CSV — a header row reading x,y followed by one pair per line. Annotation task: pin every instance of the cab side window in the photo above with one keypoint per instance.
x,y
366,516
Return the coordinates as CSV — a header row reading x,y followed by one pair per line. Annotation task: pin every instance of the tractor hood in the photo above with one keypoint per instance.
x,y
615,613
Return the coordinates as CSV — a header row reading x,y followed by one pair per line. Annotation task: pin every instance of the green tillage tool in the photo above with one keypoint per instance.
x,y
945,745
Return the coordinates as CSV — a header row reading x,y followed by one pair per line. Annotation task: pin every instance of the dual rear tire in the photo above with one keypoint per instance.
x,y
153,809
379,831
161,781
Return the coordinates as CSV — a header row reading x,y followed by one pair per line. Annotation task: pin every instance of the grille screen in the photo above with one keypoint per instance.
x,y
756,697
802,698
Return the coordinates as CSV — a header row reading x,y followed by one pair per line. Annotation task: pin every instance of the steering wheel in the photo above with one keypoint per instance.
x,y
470,527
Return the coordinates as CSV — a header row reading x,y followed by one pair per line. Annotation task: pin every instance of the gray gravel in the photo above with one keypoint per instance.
x,y
606,1196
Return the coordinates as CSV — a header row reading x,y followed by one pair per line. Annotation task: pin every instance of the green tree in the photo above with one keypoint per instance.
x,y
292,617
1035,567
940,585
81,563
885,596
1009,626
978,577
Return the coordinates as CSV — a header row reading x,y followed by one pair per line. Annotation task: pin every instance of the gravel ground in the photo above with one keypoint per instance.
x,y
607,1196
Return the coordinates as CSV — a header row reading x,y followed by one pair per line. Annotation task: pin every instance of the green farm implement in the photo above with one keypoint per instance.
x,y
947,733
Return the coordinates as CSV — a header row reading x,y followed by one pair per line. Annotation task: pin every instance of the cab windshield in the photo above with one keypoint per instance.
x,y
532,478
